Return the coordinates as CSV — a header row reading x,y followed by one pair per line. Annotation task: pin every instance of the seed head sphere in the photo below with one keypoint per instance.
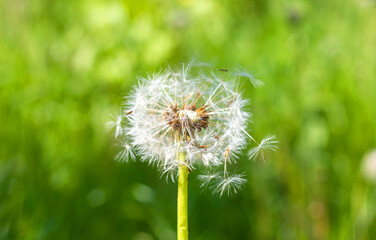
x,y
199,114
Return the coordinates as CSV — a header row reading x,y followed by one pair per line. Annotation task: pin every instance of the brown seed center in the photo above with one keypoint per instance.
x,y
187,120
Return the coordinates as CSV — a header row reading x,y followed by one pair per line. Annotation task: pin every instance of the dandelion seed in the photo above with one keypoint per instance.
x,y
243,73
125,154
170,171
208,179
229,184
203,64
267,144
116,123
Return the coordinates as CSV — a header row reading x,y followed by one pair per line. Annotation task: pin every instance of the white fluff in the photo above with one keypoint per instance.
x,y
142,126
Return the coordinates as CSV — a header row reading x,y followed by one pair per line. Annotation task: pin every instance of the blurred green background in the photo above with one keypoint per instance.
x,y
65,66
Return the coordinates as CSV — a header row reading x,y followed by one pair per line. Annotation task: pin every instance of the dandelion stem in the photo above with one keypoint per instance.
x,y
182,198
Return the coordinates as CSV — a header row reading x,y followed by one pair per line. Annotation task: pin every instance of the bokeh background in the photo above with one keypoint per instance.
x,y
65,66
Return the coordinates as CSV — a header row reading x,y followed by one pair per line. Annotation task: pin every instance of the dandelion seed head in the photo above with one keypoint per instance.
x,y
199,114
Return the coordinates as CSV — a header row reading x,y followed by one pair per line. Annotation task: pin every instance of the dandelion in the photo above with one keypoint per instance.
x,y
181,122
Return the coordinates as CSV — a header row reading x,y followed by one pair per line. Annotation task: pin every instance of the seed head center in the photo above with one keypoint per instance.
x,y
192,115
187,120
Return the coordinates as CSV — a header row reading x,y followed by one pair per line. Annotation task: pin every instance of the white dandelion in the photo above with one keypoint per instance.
x,y
201,116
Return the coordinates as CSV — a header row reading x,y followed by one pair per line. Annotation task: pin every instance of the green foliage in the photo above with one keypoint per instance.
x,y
65,65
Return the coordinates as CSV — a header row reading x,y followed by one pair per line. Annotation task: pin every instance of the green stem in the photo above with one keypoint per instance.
x,y
183,199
